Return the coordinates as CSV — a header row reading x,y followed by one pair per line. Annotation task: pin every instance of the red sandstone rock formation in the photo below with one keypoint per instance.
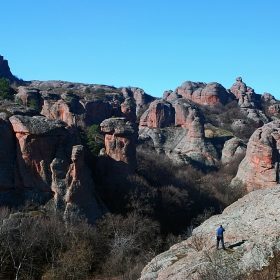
x,y
37,141
44,148
160,114
120,145
201,93
238,88
260,167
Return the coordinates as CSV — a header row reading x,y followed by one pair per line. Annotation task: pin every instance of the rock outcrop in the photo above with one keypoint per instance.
x,y
5,71
249,243
233,148
201,93
260,167
40,165
247,101
185,143
83,105
120,137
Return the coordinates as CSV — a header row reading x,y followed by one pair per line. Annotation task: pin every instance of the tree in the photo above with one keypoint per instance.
x,y
6,91
87,90
33,104
95,140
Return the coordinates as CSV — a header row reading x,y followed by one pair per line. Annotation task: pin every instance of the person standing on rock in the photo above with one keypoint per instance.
x,y
220,237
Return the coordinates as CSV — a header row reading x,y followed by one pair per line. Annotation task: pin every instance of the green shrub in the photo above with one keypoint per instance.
x,y
33,103
19,101
6,91
95,139
87,90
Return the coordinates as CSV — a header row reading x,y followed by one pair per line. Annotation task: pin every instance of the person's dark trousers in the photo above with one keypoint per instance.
x,y
220,238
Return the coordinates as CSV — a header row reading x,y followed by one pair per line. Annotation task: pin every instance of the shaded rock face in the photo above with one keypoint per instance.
x,y
185,144
232,149
5,71
8,171
120,146
201,93
80,195
260,167
246,224
42,163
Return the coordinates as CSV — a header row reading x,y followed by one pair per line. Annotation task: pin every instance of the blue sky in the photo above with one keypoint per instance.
x,y
152,44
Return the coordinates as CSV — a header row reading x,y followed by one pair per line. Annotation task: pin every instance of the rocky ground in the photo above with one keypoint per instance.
x,y
252,234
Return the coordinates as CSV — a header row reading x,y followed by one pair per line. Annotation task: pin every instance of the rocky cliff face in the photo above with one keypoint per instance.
x,y
5,71
260,167
120,138
83,105
249,243
185,142
201,93
41,160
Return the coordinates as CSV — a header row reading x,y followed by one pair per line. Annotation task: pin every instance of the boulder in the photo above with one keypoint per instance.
x,y
249,243
233,148
260,167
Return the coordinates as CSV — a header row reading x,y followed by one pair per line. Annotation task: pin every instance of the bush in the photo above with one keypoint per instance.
x,y
87,90
6,91
33,103
95,139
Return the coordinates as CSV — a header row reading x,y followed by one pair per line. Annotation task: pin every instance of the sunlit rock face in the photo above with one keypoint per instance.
x,y
201,93
251,234
120,137
260,167
50,162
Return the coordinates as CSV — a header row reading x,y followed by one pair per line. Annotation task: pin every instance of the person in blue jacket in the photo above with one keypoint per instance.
x,y
220,237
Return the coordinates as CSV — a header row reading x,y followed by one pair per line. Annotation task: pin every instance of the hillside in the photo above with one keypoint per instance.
x,y
95,154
